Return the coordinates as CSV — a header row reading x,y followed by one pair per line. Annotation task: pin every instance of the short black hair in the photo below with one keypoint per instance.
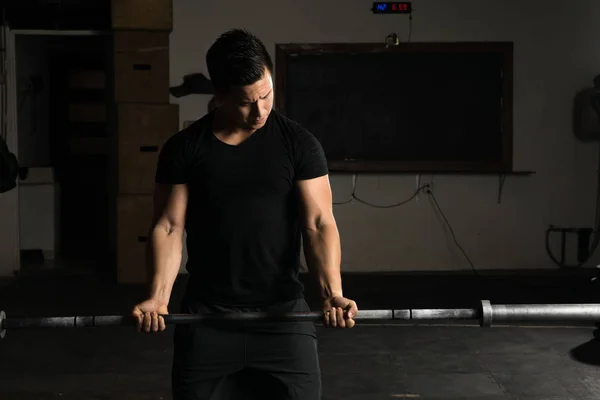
x,y
237,58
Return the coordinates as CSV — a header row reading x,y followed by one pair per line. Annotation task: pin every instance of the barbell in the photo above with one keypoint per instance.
x,y
486,314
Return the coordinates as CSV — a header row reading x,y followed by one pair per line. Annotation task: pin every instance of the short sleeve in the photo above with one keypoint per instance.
x,y
310,156
171,168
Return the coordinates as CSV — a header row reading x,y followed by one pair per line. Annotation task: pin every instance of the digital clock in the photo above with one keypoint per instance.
x,y
393,7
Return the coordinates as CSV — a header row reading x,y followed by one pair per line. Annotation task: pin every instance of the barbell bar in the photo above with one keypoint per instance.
x,y
486,314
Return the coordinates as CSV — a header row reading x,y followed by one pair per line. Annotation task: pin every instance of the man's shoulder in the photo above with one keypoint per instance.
x,y
200,126
306,149
192,132
288,126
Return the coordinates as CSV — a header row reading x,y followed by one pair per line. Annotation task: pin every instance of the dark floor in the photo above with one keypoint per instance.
x,y
367,362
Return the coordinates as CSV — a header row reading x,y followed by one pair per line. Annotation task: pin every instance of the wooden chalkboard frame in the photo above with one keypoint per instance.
x,y
504,165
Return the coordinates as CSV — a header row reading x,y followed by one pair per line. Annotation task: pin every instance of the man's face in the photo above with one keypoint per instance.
x,y
249,106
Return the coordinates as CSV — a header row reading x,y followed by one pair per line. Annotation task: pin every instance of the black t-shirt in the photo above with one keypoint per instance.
x,y
243,217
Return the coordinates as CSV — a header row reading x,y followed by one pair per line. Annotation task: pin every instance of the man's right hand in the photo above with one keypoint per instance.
x,y
147,316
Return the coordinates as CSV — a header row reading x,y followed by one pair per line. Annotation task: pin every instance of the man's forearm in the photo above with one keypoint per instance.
x,y
322,251
164,253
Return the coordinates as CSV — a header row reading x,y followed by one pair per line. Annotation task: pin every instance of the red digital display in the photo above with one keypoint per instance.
x,y
393,7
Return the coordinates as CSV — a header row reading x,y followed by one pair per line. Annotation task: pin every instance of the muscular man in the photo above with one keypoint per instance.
x,y
246,183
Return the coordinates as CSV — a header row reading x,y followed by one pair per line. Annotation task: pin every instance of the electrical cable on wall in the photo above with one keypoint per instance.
x,y
395,8
426,189
410,18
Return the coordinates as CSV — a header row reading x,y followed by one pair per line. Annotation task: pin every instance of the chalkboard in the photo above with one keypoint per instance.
x,y
442,107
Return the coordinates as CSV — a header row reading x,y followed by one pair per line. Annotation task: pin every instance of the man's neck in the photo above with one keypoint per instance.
x,y
223,126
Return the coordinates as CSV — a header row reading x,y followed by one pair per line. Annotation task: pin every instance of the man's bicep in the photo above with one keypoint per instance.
x,y
315,201
170,205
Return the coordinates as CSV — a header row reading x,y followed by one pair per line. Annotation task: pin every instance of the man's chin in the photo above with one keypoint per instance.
x,y
257,123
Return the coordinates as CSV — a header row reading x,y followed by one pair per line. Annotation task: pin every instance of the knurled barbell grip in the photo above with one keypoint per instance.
x,y
117,320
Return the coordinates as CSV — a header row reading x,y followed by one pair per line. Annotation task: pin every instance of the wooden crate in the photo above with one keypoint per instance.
x,y
134,218
88,146
87,112
142,130
141,67
87,79
154,15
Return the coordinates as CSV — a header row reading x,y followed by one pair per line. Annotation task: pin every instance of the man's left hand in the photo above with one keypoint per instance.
x,y
339,312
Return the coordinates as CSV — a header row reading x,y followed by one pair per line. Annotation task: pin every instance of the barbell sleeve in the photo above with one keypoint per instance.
x,y
545,313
